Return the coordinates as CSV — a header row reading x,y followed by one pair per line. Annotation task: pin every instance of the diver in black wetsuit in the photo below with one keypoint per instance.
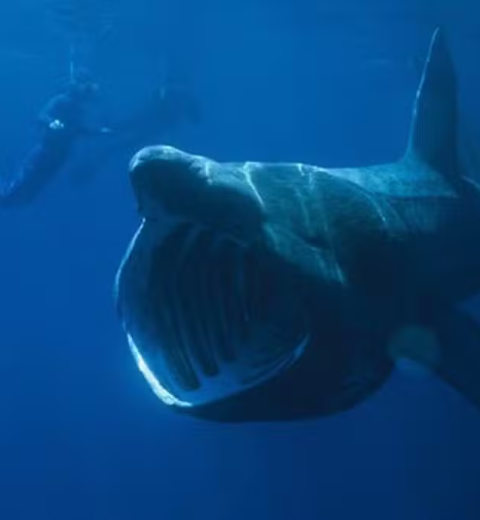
x,y
169,106
62,123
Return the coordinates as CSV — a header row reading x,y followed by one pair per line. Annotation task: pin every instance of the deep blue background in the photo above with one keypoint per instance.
x,y
81,435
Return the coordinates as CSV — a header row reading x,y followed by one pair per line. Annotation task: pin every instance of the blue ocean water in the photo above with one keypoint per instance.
x,y
81,434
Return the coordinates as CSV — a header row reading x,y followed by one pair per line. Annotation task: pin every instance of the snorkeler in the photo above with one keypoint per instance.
x,y
61,123
169,107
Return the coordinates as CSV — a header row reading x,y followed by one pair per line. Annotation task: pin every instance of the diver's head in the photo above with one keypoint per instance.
x,y
83,85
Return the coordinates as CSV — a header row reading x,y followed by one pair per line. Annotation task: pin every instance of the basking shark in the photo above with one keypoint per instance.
x,y
278,291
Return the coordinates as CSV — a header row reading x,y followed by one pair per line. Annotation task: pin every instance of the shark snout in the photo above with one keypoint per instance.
x,y
165,179
168,181
158,154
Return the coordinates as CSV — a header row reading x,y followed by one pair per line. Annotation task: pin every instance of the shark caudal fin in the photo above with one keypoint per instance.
x,y
433,134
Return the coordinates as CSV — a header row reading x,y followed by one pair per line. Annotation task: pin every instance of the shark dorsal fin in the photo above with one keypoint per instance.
x,y
433,134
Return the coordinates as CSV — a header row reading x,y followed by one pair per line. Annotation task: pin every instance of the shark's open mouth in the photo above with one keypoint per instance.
x,y
205,316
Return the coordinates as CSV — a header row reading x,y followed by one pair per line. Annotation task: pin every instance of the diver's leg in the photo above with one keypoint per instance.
x,y
35,173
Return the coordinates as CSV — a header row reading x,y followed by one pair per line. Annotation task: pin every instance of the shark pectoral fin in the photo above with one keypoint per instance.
x,y
458,362
449,347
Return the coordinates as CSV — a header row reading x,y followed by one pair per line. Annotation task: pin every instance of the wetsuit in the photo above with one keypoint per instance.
x,y
62,123
167,109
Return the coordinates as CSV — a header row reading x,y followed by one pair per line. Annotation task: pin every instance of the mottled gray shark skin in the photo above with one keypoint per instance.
x,y
263,292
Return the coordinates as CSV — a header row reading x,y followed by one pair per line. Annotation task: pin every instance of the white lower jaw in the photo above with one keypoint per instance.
x,y
225,384
162,393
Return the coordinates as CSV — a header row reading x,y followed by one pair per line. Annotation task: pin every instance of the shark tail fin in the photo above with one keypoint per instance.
x,y
433,134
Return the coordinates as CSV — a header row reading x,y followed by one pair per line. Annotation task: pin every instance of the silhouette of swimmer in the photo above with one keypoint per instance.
x,y
168,108
62,122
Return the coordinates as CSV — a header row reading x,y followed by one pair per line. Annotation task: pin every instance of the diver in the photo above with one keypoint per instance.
x,y
61,123
169,107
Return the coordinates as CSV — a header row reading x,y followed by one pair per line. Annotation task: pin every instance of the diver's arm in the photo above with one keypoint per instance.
x,y
87,130
51,115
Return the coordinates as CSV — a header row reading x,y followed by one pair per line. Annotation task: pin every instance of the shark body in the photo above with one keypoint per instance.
x,y
271,291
